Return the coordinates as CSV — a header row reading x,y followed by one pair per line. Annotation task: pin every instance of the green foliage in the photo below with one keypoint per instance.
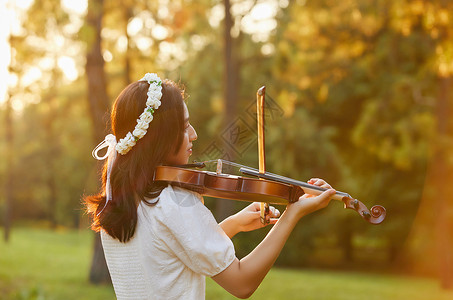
x,y
367,69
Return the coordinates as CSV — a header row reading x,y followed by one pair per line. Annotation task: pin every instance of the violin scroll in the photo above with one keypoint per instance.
x,y
374,216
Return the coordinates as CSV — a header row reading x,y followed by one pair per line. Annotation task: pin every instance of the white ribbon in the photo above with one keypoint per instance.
x,y
110,143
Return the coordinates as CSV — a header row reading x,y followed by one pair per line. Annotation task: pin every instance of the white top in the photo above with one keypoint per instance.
x,y
177,242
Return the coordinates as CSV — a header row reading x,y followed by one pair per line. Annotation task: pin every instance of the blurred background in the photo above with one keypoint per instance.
x,y
359,92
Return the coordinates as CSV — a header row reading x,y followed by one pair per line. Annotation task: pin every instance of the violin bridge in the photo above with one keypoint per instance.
x,y
219,167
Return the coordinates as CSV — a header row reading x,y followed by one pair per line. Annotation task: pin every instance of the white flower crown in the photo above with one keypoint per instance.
x,y
152,103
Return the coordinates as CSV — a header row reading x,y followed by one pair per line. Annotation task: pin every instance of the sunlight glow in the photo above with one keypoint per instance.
x,y
260,22
198,42
32,74
144,43
23,4
258,19
121,43
171,55
68,66
46,63
5,52
78,7
134,26
107,55
216,16
159,32
268,49
263,11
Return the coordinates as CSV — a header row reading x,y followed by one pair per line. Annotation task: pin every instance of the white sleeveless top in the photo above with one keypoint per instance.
x,y
177,242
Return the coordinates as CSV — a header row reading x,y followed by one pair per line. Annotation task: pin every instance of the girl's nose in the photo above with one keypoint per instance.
x,y
193,134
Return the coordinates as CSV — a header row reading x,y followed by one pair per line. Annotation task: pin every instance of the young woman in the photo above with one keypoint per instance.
x,y
160,241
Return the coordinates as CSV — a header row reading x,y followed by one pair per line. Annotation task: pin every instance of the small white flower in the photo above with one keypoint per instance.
x,y
154,91
154,104
141,124
150,77
146,116
129,140
121,148
139,132
157,104
140,129
155,94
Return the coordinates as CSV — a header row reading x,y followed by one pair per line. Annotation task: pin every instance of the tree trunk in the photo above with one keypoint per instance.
x,y
443,187
430,244
97,88
345,233
9,170
9,155
99,272
225,208
52,149
127,57
98,106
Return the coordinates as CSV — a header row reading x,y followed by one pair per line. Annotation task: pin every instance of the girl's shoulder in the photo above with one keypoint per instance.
x,y
174,195
174,200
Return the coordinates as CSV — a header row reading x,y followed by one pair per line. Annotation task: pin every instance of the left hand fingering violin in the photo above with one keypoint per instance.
x,y
268,188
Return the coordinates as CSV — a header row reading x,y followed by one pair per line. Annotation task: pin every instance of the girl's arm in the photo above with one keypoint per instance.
x,y
244,276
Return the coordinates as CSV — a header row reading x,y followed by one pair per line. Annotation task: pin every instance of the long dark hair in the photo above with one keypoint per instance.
x,y
131,176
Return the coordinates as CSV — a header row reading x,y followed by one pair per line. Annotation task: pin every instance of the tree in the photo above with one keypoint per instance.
x,y
9,166
422,243
230,88
98,108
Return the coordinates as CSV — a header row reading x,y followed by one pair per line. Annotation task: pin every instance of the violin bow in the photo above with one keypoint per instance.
x,y
260,94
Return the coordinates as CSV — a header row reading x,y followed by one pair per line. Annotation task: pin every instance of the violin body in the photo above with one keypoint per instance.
x,y
229,186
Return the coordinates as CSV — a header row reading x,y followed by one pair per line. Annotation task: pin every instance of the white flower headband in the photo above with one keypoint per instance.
x,y
152,103
125,144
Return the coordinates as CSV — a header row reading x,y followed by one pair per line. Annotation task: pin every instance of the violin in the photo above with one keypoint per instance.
x,y
260,186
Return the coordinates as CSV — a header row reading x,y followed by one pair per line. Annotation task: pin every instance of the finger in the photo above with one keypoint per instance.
x,y
273,220
312,180
256,214
256,206
326,195
306,196
274,212
317,181
320,182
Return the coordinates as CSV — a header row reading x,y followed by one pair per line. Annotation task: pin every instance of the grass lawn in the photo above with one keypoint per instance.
x,y
44,264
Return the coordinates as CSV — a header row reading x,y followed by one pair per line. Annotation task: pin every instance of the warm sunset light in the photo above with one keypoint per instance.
x,y
284,149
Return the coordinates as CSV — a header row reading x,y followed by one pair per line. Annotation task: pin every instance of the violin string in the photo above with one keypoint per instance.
x,y
226,162
276,176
